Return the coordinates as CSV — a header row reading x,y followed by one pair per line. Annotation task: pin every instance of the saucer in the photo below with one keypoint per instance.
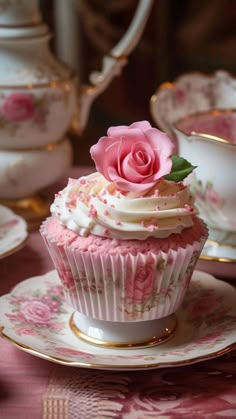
x,y
13,232
217,260
35,318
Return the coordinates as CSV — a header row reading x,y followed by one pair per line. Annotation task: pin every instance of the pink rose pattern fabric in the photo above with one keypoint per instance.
x,y
205,390
134,157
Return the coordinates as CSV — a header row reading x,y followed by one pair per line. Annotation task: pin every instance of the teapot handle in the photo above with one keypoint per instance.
x,y
113,63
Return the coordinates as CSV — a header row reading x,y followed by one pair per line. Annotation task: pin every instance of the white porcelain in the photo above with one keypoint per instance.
x,y
213,180
123,334
19,12
40,98
13,232
218,260
24,173
35,318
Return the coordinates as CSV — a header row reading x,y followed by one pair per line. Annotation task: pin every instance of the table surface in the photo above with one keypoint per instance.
x,y
31,387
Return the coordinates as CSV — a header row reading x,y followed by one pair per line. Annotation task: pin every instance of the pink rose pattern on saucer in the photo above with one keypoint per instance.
x,y
40,316
37,311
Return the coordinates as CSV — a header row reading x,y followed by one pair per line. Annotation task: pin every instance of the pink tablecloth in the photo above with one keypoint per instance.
x,y
33,388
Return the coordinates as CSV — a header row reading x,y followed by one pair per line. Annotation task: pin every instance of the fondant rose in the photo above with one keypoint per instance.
x,y
18,107
133,157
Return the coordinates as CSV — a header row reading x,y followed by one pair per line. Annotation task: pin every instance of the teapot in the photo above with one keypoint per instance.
x,y
40,97
197,111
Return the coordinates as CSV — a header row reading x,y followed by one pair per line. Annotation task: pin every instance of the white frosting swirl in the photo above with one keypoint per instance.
x,y
93,205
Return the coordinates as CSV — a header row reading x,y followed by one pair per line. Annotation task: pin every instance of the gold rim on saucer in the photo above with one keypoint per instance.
x,y
154,340
33,209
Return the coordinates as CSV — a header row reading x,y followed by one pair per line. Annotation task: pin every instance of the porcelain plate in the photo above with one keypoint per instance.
x,y
35,318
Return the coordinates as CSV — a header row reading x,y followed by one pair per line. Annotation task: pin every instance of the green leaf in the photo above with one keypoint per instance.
x,y
181,168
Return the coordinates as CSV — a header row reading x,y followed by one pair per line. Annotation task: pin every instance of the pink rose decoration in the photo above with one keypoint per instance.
x,y
133,157
140,286
18,107
36,312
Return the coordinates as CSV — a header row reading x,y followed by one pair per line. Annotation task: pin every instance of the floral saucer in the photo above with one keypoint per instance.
x,y
13,232
35,318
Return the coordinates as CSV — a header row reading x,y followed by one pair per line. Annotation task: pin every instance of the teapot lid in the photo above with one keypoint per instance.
x,y
21,18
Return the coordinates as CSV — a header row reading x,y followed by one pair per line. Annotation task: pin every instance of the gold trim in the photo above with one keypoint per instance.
x,y
46,147
23,25
216,259
14,250
214,112
33,209
215,243
219,259
52,83
155,340
206,136
61,361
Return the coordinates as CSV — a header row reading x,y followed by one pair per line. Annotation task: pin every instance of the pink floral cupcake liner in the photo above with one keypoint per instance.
x,y
124,287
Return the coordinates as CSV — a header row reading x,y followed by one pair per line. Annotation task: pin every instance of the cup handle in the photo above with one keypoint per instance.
x,y
113,63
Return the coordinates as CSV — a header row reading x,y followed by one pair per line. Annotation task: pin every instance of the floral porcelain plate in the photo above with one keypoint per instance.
x,y
13,232
35,318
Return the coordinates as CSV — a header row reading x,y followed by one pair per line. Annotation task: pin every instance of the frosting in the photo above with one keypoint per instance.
x,y
93,205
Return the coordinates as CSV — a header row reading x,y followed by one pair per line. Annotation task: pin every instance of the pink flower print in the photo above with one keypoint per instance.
x,y
56,326
18,107
213,197
69,351
139,287
35,312
209,338
66,277
180,96
203,306
56,290
52,303
21,330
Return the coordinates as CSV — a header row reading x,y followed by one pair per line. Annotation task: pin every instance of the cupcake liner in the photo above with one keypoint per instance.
x,y
124,287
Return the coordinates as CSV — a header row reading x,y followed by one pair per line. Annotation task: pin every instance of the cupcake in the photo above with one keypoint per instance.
x,y
125,239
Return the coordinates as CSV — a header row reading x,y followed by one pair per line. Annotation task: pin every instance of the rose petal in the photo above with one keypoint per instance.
x,y
143,125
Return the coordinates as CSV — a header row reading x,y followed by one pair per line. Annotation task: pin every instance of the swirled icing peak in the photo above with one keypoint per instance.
x,y
92,205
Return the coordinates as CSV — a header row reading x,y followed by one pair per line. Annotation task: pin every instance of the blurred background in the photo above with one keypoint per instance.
x,y
180,36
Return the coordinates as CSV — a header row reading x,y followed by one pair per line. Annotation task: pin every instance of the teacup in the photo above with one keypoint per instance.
x,y
213,181
197,111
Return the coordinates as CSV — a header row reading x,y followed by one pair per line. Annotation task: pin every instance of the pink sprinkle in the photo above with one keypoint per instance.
x,y
93,212
82,181
158,208
112,206
104,201
118,223
188,208
151,228
106,212
106,231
